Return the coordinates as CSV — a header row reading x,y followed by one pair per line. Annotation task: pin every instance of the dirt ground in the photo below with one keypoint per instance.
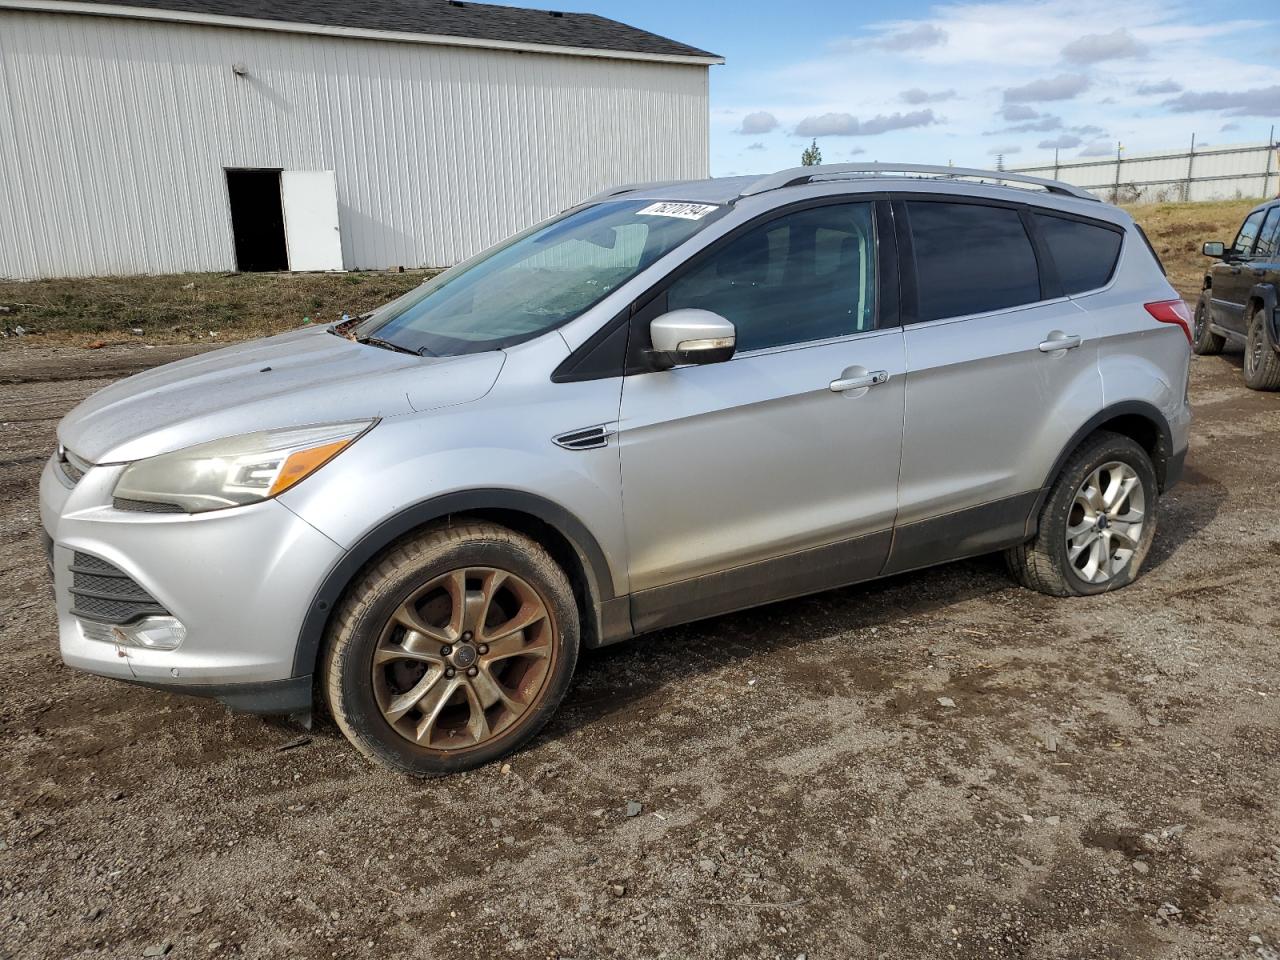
x,y
1105,785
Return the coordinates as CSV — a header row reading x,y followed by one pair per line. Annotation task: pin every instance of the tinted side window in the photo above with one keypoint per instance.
x,y
1084,254
970,259
1248,231
808,275
1269,237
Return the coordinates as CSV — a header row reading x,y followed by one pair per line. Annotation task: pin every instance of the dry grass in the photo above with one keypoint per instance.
x,y
190,306
185,307
1177,231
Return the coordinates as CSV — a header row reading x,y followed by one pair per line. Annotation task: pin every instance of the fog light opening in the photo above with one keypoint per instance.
x,y
152,633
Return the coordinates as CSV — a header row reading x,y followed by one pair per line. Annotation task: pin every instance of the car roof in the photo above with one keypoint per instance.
x,y
876,177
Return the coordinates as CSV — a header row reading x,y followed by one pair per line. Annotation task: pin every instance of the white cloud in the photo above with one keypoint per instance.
x,y
1262,102
916,96
1099,148
917,37
847,125
1062,87
1004,151
1062,142
1014,112
1160,86
1119,44
759,122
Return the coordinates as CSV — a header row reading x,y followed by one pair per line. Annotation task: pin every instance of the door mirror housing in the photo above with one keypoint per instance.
x,y
691,336
1215,248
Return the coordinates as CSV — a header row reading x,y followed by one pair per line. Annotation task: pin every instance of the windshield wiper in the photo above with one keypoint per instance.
x,y
387,345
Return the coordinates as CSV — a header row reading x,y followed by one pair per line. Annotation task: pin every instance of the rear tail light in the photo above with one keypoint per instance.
x,y
1172,311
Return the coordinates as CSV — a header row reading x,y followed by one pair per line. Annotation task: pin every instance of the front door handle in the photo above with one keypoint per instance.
x,y
1059,341
860,380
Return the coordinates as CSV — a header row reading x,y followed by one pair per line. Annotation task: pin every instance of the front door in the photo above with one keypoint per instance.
x,y
765,476
1232,277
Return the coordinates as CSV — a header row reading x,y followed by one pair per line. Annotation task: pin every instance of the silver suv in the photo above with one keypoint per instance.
x,y
672,401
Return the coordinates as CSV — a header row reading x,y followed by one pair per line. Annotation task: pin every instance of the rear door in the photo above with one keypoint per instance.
x,y
1233,276
1001,370
761,477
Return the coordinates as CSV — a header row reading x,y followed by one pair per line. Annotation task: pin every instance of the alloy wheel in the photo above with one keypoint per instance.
x,y
1105,524
464,658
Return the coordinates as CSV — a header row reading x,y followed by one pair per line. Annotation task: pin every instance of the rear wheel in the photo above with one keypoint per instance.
x,y
1203,340
455,649
1261,362
1097,524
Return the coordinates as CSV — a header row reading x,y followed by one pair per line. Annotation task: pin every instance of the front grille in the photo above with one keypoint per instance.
x,y
102,591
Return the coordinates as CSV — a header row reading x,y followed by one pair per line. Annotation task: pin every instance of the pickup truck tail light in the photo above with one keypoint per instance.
x,y
1172,311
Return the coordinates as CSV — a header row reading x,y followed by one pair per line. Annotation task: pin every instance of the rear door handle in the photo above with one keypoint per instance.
x,y
1059,341
862,380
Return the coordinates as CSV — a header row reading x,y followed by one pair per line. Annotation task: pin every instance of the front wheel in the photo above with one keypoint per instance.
x,y
1097,524
453,650
1204,341
1261,362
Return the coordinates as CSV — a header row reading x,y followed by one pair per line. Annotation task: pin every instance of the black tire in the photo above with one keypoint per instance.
x,y
369,621
1261,362
1043,563
1204,341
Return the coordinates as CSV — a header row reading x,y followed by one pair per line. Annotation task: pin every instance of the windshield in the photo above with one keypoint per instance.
x,y
537,280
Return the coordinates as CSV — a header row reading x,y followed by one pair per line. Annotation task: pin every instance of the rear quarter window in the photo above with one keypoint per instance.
x,y
1084,253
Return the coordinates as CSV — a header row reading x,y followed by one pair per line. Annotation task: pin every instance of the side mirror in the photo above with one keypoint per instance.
x,y
1215,248
691,336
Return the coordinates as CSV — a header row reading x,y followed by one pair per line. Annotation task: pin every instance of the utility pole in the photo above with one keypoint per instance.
x,y
1055,163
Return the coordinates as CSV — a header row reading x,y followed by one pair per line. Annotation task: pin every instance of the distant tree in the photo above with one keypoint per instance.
x,y
812,156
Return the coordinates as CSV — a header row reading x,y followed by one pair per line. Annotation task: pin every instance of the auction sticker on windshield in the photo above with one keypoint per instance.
x,y
685,211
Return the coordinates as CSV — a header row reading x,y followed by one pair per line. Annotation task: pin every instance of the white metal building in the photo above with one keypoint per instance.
x,y
209,135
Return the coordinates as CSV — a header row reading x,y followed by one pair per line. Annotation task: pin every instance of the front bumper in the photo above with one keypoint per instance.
x,y
239,580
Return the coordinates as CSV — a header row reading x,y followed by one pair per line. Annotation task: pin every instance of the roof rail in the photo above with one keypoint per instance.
x,y
800,175
626,188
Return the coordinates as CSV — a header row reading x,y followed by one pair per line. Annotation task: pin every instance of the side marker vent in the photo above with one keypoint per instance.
x,y
591,438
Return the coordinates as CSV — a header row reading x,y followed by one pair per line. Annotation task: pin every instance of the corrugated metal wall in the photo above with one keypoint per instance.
x,y
1211,173
114,135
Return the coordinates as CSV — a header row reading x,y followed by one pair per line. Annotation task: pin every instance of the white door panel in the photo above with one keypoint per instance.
x,y
310,200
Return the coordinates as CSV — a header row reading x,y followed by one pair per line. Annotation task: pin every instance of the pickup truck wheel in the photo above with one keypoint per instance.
x,y
1096,525
452,650
1204,341
1261,362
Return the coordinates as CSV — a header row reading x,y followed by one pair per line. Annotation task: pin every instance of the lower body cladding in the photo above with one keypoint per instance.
x,y
206,604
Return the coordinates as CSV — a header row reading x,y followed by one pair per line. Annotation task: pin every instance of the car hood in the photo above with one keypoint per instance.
x,y
307,376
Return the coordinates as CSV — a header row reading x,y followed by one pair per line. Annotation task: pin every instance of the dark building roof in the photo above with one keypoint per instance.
x,y
449,18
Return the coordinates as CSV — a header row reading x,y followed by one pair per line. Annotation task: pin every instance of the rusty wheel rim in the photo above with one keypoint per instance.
x,y
464,658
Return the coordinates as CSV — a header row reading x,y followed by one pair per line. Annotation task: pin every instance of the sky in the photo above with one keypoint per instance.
x,y
965,83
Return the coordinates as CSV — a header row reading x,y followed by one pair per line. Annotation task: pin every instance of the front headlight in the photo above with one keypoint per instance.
x,y
236,470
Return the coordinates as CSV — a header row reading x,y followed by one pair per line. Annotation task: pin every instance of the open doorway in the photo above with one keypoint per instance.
x,y
257,220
